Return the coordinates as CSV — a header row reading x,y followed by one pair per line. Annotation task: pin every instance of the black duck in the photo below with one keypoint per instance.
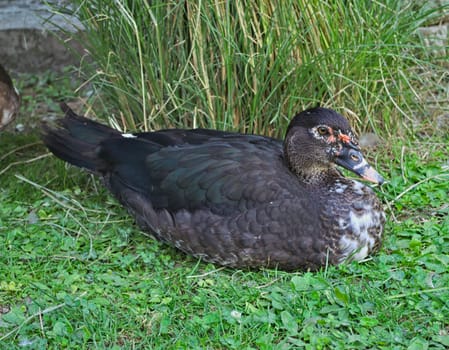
x,y
233,199
9,99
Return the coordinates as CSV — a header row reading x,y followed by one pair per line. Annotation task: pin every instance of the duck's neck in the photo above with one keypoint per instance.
x,y
317,176
314,175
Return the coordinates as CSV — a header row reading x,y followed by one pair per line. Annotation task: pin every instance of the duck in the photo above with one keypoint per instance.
x,y
9,99
238,200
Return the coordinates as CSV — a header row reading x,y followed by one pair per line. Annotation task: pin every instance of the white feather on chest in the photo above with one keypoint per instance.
x,y
362,221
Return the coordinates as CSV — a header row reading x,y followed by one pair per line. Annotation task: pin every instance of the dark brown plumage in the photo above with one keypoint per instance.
x,y
9,99
233,199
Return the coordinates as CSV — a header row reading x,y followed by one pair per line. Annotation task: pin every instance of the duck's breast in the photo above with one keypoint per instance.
x,y
357,217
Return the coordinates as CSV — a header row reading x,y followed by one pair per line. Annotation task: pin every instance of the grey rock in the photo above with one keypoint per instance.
x,y
33,36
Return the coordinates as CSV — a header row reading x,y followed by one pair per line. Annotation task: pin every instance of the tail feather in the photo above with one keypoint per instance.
x,y
75,139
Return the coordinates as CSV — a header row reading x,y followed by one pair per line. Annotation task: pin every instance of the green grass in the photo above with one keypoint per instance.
x,y
41,95
77,273
250,65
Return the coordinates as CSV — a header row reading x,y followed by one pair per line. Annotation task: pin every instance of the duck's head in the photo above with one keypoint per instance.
x,y
318,139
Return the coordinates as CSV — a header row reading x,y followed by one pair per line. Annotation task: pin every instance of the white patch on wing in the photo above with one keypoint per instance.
x,y
129,136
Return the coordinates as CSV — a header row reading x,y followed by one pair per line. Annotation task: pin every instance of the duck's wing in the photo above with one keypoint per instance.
x,y
176,169
172,137
225,175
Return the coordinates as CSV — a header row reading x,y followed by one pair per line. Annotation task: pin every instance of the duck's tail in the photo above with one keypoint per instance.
x,y
75,139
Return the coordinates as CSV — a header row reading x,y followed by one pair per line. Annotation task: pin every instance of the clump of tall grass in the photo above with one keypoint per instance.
x,y
250,65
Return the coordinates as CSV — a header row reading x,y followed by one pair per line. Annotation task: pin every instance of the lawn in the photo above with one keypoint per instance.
x,y
76,273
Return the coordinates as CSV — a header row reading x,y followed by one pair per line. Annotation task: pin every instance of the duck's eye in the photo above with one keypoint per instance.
x,y
322,130
355,158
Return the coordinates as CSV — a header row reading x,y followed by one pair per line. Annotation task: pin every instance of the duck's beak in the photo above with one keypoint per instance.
x,y
351,158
